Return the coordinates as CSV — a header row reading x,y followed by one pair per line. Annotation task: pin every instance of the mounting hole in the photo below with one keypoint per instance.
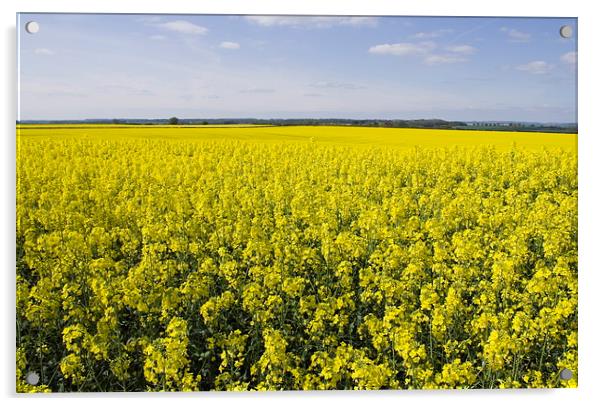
x,y
566,374
32,378
32,27
566,31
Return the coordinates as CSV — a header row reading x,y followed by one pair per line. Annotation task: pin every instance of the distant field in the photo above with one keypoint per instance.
x,y
399,137
129,126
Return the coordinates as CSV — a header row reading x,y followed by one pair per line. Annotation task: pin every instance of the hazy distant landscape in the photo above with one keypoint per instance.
x,y
422,123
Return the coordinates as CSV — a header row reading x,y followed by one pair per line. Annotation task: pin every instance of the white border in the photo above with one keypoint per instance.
x,y
590,203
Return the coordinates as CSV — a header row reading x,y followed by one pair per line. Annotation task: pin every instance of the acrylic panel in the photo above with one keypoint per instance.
x,y
229,202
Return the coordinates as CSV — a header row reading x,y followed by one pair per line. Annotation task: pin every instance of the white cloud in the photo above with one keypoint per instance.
x,y
158,37
431,34
311,22
569,57
426,50
229,45
516,35
402,48
441,59
183,27
462,49
535,67
43,51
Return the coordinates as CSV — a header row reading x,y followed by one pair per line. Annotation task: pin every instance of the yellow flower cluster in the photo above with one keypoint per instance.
x,y
162,264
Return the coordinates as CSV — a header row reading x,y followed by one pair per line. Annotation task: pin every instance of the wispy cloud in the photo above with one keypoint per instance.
x,y
311,22
158,37
569,57
60,93
41,89
462,49
43,51
536,67
402,48
183,27
432,34
229,45
336,85
427,50
516,35
257,90
125,90
442,59
189,97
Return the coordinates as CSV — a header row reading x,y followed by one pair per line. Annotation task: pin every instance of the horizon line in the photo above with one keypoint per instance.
x,y
292,119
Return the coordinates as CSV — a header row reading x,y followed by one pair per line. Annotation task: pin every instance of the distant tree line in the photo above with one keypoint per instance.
x,y
428,123
421,123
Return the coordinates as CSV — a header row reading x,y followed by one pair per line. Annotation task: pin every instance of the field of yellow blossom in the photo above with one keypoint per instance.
x,y
153,258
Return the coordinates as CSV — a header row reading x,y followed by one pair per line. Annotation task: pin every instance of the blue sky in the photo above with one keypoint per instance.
x,y
155,66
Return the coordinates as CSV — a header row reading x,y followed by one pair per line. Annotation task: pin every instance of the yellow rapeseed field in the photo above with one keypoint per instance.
x,y
267,258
